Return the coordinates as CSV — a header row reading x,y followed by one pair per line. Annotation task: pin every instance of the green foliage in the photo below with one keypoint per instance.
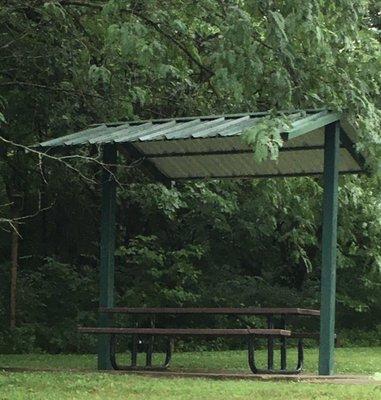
x,y
265,137
359,338
19,340
66,65
53,298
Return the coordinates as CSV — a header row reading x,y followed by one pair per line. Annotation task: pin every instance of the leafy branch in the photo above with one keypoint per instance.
x,y
265,137
153,24
173,39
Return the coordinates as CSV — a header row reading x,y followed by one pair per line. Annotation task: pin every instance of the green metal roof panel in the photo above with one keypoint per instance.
x,y
212,146
114,133
165,133
308,124
176,128
243,165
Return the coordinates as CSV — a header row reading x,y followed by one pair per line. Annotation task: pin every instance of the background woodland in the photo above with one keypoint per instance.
x,y
67,64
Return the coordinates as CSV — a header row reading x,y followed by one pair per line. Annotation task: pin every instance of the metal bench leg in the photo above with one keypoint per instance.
x,y
283,370
113,361
270,345
149,352
251,359
251,354
134,351
283,347
283,354
134,354
299,366
112,352
169,352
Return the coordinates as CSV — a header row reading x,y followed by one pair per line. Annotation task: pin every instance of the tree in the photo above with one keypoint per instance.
x,y
67,64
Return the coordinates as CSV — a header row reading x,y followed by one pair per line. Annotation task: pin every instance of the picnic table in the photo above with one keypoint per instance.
x,y
276,330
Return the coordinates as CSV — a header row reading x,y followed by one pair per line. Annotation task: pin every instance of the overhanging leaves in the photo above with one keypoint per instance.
x,y
265,137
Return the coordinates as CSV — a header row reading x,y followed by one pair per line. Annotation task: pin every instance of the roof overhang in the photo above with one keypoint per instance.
x,y
213,147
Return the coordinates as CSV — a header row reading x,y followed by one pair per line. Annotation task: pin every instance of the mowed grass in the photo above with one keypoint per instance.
x,y
365,360
64,384
73,386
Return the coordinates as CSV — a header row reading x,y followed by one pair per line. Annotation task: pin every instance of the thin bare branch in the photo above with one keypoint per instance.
x,y
54,158
4,46
98,6
54,89
15,222
65,160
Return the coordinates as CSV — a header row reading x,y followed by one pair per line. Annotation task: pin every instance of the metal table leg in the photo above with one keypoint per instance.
x,y
270,345
134,353
283,346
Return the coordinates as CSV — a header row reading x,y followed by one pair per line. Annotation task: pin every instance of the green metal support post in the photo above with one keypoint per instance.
x,y
106,275
329,244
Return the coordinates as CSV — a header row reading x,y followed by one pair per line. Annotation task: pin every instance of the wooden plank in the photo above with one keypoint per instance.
x,y
211,310
186,331
329,245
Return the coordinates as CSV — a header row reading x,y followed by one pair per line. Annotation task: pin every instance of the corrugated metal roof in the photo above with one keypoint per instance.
x,y
212,146
181,128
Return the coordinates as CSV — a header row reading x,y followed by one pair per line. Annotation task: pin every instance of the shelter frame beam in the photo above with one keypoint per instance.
x,y
107,250
329,245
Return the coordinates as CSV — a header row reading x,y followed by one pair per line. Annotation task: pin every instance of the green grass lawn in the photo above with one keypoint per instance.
x,y
63,385
348,360
93,385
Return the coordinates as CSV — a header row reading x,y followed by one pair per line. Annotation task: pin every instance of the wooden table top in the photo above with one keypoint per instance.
x,y
210,310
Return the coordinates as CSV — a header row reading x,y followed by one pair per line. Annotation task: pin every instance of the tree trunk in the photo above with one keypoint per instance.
x,y
14,265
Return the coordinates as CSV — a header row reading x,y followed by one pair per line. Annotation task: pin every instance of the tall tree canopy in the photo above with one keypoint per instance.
x,y
66,64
